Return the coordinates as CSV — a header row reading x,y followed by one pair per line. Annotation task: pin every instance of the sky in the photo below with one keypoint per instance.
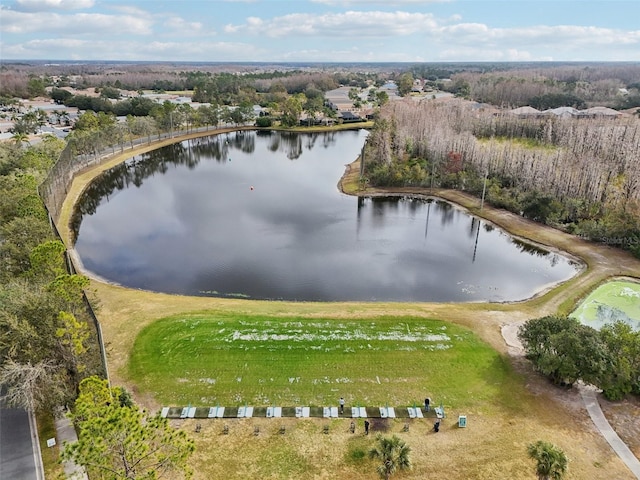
x,y
320,30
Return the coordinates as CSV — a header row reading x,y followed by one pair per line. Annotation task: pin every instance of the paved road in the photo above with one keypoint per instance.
x,y
66,434
17,458
595,412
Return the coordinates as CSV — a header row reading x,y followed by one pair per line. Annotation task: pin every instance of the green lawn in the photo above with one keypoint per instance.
x,y
228,359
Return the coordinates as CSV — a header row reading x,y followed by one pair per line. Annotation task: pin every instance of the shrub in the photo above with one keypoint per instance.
x,y
264,122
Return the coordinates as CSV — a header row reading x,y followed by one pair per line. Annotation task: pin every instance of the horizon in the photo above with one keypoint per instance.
x,y
56,62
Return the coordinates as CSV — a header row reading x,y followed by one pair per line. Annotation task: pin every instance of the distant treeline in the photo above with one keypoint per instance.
x,y
222,87
541,85
614,85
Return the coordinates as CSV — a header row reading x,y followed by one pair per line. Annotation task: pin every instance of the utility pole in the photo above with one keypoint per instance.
x,y
484,188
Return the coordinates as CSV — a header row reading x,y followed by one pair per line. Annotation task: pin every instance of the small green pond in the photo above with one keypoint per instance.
x,y
616,300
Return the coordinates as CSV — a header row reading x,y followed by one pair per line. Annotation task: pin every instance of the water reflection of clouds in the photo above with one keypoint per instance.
x,y
142,219
196,226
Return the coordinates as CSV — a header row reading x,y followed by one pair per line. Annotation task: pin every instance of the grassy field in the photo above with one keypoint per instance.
x,y
232,359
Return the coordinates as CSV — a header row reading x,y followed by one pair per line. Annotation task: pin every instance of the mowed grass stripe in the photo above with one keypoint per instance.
x,y
229,359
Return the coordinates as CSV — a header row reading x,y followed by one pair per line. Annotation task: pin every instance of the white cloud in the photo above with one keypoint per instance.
x,y
348,55
515,55
482,54
130,10
366,35
47,5
542,35
479,42
74,24
232,28
181,26
138,50
347,24
347,3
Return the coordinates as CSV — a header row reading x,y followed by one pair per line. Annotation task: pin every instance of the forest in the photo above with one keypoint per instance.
x,y
47,336
50,360
566,351
545,86
579,175
223,84
509,85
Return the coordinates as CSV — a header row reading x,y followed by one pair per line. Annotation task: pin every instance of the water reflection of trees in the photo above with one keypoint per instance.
x,y
447,212
380,206
526,247
244,141
188,153
132,172
211,147
221,146
293,144
288,142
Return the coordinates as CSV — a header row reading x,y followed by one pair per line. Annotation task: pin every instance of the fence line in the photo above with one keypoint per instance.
x,y
54,189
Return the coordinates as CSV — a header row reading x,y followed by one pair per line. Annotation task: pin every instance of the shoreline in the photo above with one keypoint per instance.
x,y
600,263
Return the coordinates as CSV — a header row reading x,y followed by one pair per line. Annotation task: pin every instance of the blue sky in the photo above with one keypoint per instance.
x,y
321,30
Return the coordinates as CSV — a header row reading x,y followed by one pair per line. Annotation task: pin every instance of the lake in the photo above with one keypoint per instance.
x,y
259,215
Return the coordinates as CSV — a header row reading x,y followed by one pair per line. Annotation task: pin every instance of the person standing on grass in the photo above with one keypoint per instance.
x,y
366,427
341,405
427,403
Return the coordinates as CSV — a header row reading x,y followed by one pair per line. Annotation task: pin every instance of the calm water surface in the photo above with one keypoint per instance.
x,y
259,215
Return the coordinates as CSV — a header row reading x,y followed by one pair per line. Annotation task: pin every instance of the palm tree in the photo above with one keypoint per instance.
x,y
19,138
393,453
552,462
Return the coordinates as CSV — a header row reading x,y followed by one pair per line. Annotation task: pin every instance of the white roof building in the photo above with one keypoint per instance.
x,y
562,112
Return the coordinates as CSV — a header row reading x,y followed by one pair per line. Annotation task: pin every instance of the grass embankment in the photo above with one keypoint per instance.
x,y
233,359
50,455
504,415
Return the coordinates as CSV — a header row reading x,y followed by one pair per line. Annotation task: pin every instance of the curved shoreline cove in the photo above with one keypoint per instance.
x,y
257,215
